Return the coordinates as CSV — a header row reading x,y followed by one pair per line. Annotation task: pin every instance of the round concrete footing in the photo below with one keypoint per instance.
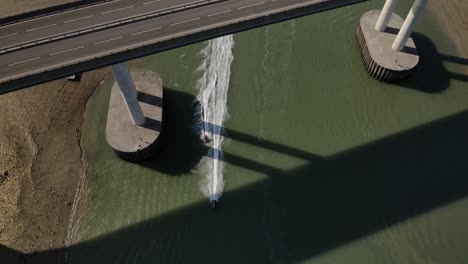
x,y
131,142
380,60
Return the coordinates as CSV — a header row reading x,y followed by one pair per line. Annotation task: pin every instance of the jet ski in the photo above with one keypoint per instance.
x,y
214,203
205,138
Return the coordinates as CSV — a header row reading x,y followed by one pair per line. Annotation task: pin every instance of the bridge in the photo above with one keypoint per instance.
x,y
64,40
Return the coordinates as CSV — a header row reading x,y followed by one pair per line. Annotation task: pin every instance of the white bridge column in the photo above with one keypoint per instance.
x,y
385,15
408,25
129,92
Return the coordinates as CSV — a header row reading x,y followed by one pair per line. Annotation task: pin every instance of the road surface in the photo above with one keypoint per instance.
x,y
53,46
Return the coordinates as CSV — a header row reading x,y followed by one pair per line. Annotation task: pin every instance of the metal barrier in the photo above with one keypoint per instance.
x,y
109,24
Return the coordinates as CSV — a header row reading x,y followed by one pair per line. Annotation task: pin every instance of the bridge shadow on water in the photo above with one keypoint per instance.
x,y
295,214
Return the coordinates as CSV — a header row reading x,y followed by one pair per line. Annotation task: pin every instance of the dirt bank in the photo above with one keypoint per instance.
x,y
452,14
39,154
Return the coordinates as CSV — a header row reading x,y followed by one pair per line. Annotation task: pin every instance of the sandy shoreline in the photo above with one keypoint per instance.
x,y
39,135
453,13
40,156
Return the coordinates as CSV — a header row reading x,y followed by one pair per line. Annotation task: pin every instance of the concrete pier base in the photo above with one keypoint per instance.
x,y
136,143
380,60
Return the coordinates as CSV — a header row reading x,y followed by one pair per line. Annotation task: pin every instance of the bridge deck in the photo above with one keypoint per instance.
x,y
54,46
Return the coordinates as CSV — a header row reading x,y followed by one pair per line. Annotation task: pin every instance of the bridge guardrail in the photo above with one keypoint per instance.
x,y
50,10
149,47
109,24
179,39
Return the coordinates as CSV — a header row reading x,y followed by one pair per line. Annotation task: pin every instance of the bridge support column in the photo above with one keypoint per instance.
x,y
385,15
408,25
134,120
129,92
389,54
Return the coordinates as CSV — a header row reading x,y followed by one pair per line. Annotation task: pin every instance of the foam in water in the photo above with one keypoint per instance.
x,y
213,88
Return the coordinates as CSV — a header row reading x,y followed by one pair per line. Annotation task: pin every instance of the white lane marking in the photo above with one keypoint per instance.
x,y
185,21
76,19
32,29
60,13
16,63
150,2
247,6
104,41
6,36
219,13
63,51
144,31
115,10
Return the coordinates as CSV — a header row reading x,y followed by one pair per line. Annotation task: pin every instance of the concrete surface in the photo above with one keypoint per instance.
x,y
132,142
380,60
117,41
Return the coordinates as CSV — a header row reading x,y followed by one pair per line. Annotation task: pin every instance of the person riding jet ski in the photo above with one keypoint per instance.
x,y
214,203
205,138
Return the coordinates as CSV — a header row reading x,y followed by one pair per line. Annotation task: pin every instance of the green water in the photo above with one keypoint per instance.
x,y
323,164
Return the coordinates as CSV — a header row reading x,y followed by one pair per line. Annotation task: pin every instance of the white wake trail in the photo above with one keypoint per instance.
x,y
213,90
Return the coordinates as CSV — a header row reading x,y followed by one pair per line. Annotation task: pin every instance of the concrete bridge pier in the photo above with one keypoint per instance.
x,y
129,92
388,51
134,120
408,25
385,15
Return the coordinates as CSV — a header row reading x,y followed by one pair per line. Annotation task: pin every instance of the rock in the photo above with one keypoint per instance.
x,y
3,176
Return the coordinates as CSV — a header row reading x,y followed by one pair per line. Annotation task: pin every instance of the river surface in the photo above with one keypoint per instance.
x,y
320,162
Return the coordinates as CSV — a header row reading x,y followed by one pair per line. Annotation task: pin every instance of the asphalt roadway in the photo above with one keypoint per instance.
x,y
55,41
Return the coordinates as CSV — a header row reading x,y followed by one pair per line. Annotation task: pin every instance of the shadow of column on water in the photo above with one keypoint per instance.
x,y
430,76
181,148
303,212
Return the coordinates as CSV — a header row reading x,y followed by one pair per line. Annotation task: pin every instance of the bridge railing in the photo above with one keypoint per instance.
x,y
46,11
107,25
